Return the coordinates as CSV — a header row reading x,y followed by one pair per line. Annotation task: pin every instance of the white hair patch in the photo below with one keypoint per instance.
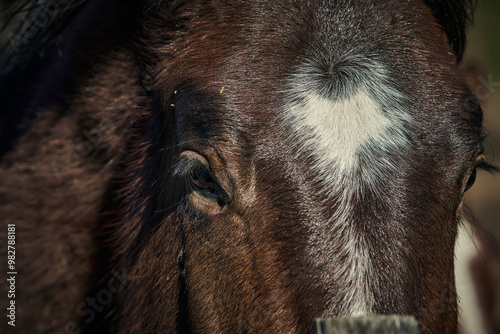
x,y
337,130
348,122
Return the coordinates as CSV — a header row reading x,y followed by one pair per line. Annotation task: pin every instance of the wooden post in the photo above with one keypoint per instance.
x,y
376,324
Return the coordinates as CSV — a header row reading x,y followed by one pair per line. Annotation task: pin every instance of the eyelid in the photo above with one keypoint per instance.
x,y
189,161
480,160
213,191
482,164
210,189
471,180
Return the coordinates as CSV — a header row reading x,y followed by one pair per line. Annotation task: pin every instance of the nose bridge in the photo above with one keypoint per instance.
x,y
362,241
347,117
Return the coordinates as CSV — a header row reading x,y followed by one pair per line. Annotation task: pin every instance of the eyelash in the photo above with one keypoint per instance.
x,y
482,165
201,180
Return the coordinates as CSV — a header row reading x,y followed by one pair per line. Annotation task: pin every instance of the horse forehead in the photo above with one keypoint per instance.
x,y
337,130
348,115
336,100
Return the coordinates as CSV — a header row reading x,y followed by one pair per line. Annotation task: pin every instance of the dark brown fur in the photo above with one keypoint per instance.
x,y
92,186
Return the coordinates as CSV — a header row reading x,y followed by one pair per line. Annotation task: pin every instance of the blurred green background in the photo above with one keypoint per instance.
x,y
482,67
482,64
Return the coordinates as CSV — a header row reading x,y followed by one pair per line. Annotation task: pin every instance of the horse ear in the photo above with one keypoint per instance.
x,y
454,16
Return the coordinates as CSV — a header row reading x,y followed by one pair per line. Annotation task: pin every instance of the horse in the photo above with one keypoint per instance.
x,y
207,166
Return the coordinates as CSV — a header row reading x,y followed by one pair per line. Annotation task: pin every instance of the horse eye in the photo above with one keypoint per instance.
x,y
470,182
200,180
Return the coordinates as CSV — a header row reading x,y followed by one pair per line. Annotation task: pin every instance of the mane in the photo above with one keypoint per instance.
x,y
455,17
48,46
28,80
34,25
34,29
31,28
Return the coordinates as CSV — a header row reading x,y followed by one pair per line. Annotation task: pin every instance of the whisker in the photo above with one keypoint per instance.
x,y
178,144
170,207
